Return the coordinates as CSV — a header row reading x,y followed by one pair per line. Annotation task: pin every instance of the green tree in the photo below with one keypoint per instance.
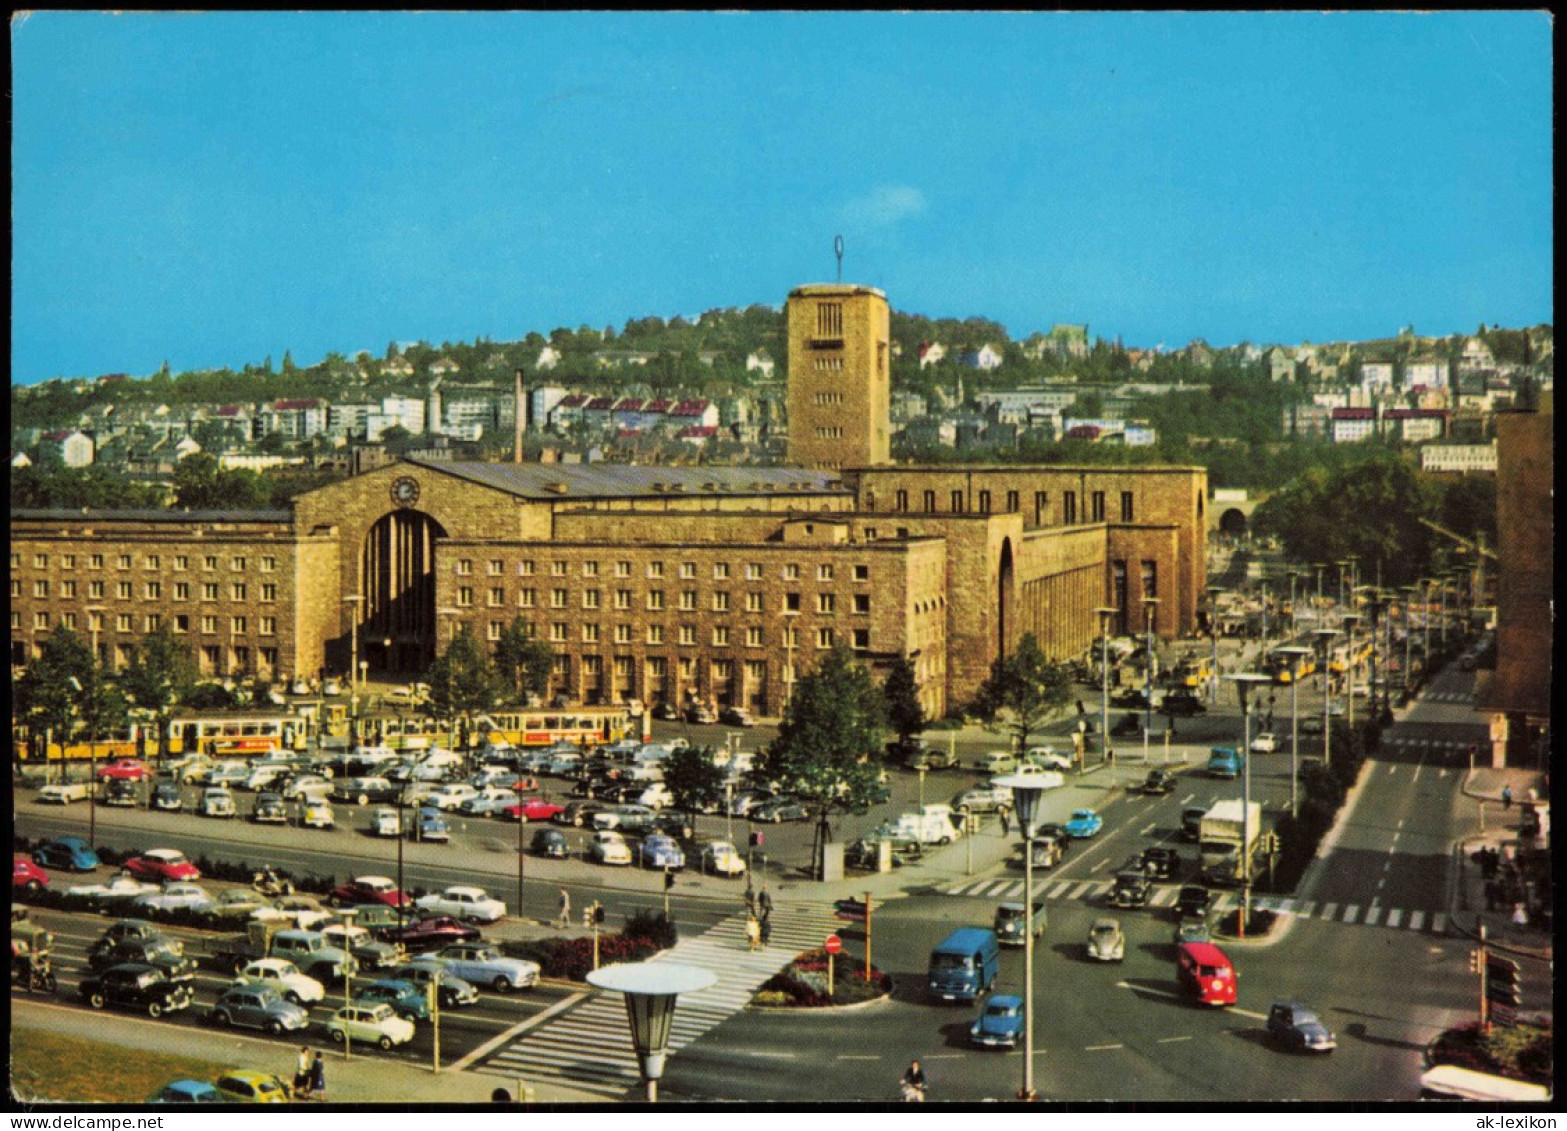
x,y
48,695
522,660
694,780
905,714
828,751
462,682
162,673
1023,690
200,484
101,705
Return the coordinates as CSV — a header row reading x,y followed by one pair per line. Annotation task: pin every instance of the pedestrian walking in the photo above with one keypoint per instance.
x,y
753,932
1520,915
318,1078
765,929
1507,797
563,920
1006,820
750,896
302,1074
765,902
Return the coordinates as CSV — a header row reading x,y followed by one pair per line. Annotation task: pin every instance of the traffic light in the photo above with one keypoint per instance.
x,y
1474,960
669,879
756,839
1501,982
599,915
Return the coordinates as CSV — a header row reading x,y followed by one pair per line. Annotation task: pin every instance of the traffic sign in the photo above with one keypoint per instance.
x,y
833,944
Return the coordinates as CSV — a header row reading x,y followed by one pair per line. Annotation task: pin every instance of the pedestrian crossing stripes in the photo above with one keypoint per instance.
x,y
1164,895
1449,696
588,1048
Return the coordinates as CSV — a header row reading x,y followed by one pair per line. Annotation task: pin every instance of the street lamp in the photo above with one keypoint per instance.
x,y
651,989
1292,654
1350,660
1149,605
1409,631
1104,686
1319,567
1026,790
1244,682
1292,575
353,657
1213,633
1325,643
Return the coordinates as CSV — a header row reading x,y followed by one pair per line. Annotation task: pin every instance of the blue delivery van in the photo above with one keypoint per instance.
x,y
964,965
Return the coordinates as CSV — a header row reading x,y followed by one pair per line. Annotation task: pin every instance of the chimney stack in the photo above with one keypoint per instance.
x,y
521,415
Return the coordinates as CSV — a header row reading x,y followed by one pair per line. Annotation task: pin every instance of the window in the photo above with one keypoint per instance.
x,y
826,603
526,598
154,591
902,499
622,598
655,634
209,624
791,638
984,502
590,569
493,630
655,569
181,562
655,600
590,634
95,590
269,591
1096,507
558,598
496,566
753,637
829,320
237,565
862,639
622,569
753,571
754,603
209,590
210,561
182,591
153,562
1041,501
268,626
957,502
1126,506
1069,507
464,567
525,569
687,571
824,638
237,625
497,597
1012,502
590,598
688,634
41,620
824,573
123,590
465,596
96,561
41,588
930,500
687,669
721,637
558,633
622,634
557,569
721,602
239,591
1150,579
862,573
862,604
16,587
124,561
181,623
791,603
68,590
791,573
67,619
688,600
95,622
268,565
720,571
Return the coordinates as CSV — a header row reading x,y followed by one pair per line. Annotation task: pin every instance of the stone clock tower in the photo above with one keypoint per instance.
x,y
839,376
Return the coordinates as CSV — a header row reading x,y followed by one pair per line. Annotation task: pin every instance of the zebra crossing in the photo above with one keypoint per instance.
x,y
1447,696
1082,891
1436,750
587,1045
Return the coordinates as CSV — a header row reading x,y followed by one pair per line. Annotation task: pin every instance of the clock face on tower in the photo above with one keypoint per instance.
x,y
405,491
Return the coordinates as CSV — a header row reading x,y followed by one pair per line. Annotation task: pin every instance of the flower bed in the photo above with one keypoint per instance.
x,y
803,983
1260,923
1524,1052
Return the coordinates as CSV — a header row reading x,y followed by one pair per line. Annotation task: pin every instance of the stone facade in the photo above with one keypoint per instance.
x,y
840,383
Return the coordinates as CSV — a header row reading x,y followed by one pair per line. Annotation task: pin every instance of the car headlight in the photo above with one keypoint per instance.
x,y
974,1029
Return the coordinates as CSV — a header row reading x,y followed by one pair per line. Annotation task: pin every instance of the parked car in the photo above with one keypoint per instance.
x,y
27,876
179,896
783,809
1053,830
187,1092
432,933
490,801
429,827
166,797
364,790
1106,943
122,792
1311,724
736,717
1131,889
243,1086
162,864
470,904
550,843
658,851
318,815
130,929
983,799
578,813
135,985
1160,862
1192,900
284,977
452,990
63,793
124,769
484,965
407,1000
370,1024
216,802
269,809
1048,758
1158,783
1192,929
624,818
700,715
370,889
533,809
67,853
1264,743
1179,705
665,711
118,890
161,952
722,858
1296,1027
248,1006
451,795
1000,1022
1084,823
609,847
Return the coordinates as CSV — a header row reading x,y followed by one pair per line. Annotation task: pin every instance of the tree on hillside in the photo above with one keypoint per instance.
x,y
200,484
902,691
828,752
1023,690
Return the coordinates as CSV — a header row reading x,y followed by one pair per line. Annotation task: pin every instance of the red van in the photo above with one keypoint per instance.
x,y
1204,972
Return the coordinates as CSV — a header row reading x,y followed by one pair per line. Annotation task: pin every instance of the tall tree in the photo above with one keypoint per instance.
x,y
523,662
1023,690
902,690
694,780
462,682
48,695
162,673
828,751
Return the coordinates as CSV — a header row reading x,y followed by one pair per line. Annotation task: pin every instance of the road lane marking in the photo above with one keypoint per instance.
x,y
1329,910
945,1056
1102,864
1239,1012
1352,912
1439,924
1077,892
1170,1040
1393,918
1307,908
1392,769
1146,829
516,1030
1101,1048
768,1054
1417,919
858,1056
1058,890
1373,913
1388,863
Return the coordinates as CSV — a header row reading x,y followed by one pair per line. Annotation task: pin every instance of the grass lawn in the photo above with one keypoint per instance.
x,y
49,1066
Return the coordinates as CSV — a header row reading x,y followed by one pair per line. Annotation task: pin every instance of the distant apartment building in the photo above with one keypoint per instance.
x,y
1281,364
1376,374
71,447
931,353
1431,373
541,403
1308,421
348,420
986,357
400,412
1064,340
1351,425
294,420
1461,459
1414,425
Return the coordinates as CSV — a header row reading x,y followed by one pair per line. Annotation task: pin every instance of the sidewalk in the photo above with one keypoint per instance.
x,y
1497,828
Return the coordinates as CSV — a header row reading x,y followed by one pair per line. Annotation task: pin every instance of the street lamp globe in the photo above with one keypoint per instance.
x,y
651,989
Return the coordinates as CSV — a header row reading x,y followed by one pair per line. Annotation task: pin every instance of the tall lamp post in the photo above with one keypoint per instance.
x,y
1149,605
1244,682
1293,575
1319,567
94,624
1026,790
353,656
1104,684
1325,643
1409,631
1351,660
1213,634
651,989
1294,652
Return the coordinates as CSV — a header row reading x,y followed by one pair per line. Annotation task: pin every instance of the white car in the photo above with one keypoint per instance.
x,y
656,796
1047,779
487,802
178,895
217,803
64,794
609,847
722,858
263,776
385,822
318,815
307,787
451,795
1046,758
283,976
375,1024
471,905
1264,743
333,686
122,886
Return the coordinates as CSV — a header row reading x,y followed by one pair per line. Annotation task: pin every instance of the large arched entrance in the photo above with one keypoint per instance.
x,y
1232,522
1004,602
396,620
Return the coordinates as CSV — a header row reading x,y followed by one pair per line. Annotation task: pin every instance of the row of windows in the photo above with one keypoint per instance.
x,y
685,635
834,433
827,365
958,501
150,622
151,590
827,398
152,561
686,600
496,567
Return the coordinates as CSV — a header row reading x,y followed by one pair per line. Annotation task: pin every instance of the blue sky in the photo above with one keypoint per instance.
x,y
213,189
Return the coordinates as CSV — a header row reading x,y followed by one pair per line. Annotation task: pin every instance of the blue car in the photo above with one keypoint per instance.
x,y
1083,824
406,999
662,852
1000,1025
187,1092
68,853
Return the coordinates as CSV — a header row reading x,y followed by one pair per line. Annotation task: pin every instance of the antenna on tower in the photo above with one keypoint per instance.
x,y
837,249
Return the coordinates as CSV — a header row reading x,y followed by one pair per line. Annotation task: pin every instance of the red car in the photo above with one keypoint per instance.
x,y
125,769
162,864
533,809
428,934
27,876
371,889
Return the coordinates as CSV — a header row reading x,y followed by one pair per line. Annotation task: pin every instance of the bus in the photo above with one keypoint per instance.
x,y
545,726
1285,668
1450,1082
1343,661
